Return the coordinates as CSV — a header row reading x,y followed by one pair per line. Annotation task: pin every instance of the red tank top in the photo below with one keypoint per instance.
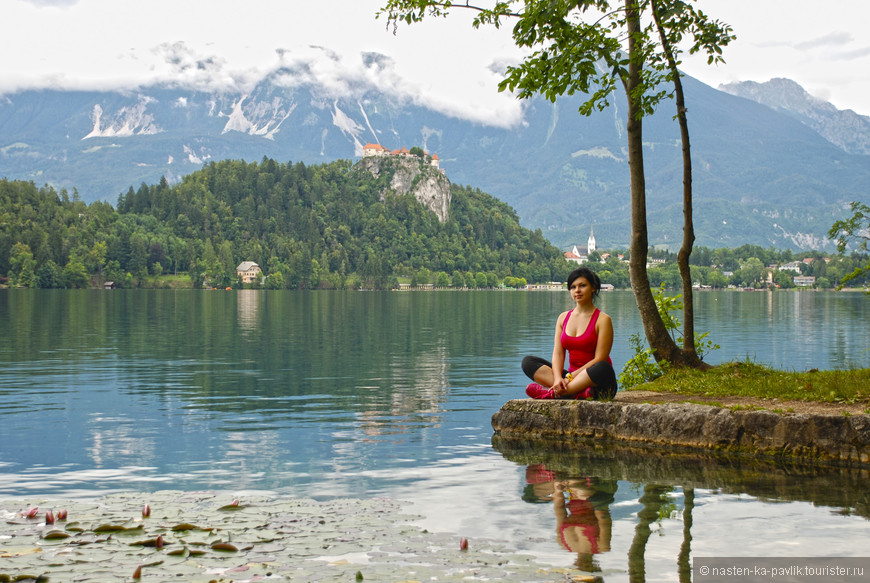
x,y
583,516
581,349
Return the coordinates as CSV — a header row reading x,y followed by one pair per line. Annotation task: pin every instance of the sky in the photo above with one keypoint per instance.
x,y
444,63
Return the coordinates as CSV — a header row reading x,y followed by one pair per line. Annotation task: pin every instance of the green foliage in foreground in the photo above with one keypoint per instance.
x,y
642,367
748,379
855,229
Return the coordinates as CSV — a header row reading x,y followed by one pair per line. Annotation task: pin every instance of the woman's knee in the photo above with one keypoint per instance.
x,y
531,364
604,378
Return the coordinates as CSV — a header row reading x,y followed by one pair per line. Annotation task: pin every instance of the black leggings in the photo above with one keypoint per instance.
x,y
602,375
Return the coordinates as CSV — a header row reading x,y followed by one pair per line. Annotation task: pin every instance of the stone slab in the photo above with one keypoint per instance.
x,y
831,439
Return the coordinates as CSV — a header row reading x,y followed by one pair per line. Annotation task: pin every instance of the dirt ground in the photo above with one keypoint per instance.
x,y
778,405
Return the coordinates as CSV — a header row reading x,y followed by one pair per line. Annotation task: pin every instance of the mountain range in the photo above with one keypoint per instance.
x,y
769,168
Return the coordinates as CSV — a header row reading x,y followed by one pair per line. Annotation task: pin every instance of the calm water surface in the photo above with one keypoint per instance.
x,y
357,394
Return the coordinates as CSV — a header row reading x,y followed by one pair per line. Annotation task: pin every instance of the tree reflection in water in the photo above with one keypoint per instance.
x,y
581,505
661,476
654,500
684,565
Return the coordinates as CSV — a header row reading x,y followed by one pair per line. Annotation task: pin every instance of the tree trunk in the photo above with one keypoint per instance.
x,y
661,343
690,355
652,500
684,564
688,227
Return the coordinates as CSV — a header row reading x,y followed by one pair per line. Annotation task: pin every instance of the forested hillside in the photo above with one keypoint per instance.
x,y
319,226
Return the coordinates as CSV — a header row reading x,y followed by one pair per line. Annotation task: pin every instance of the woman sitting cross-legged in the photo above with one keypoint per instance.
x,y
587,334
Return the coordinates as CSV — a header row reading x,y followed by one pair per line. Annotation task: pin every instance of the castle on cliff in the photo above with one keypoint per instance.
x,y
371,150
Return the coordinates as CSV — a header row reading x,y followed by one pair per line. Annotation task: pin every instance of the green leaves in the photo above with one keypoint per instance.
x,y
641,367
581,46
854,229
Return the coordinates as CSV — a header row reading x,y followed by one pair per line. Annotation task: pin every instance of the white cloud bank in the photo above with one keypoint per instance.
x,y
441,63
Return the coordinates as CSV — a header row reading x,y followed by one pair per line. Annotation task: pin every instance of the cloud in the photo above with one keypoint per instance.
x,y
52,3
183,60
852,55
444,64
181,65
837,38
355,74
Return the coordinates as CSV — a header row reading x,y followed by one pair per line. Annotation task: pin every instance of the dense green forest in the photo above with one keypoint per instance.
x,y
326,226
319,226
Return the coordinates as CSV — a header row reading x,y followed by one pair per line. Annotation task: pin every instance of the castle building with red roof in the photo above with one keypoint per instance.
x,y
371,150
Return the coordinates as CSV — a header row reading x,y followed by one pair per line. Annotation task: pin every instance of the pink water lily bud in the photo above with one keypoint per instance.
x,y
61,514
49,517
463,544
146,511
137,574
32,512
159,542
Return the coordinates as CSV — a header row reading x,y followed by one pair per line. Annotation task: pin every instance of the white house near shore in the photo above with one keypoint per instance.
x,y
248,271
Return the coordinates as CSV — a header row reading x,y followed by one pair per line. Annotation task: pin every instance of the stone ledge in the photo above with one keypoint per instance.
x,y
829,439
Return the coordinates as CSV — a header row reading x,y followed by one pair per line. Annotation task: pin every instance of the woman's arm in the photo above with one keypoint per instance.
x,y
558,359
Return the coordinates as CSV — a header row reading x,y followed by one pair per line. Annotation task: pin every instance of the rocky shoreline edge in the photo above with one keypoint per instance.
x,y
826,437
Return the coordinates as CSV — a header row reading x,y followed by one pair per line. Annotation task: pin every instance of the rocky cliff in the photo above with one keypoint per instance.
x,y
412,175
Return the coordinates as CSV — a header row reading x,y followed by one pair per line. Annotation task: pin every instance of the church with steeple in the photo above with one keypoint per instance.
x,y
579,254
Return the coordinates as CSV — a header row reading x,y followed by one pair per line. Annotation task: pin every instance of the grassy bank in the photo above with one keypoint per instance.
x,y
746,379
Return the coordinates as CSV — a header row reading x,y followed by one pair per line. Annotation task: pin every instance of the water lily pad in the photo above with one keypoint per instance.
x,y
158,542
188,526
110,528
266,537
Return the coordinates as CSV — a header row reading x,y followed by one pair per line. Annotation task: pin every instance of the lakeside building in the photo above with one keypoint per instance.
x,y
549,286
793,266
247,271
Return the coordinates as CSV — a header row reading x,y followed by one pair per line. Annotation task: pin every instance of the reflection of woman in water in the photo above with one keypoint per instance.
x,y
581,505
582,520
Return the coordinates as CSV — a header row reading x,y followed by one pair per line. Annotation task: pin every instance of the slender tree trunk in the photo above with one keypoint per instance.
x,y
651,500
684,564
688,223
663,346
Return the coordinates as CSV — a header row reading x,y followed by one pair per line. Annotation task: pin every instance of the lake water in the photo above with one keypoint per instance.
x,y
390,394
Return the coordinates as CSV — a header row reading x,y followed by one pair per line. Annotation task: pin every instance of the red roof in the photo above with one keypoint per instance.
x,y
399,152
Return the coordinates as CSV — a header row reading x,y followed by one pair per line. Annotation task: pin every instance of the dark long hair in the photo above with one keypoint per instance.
x,y
590,276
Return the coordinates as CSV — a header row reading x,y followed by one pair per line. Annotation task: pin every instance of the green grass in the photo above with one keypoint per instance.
x,y
748,379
